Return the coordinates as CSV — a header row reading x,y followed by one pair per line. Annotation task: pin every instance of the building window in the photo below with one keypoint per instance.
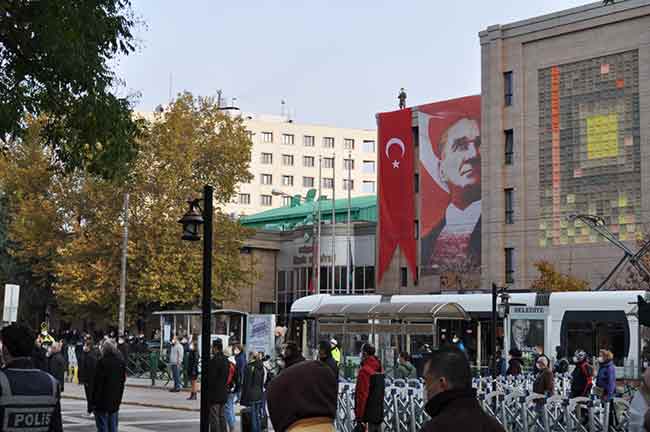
x,y
267,308
348,184
267,137
507,88
328,183
368,146
287,139
368,186
368,167
308,161
348,164
509,205
249,134
510,265
286,201
287,160
417,228
267,158
328,162
308,182
287,180
266,200
328,142
244,198
416,182
348,144
403,277
508,137
308,140
267,179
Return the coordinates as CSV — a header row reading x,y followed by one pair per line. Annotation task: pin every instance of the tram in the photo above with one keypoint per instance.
x,y
590,320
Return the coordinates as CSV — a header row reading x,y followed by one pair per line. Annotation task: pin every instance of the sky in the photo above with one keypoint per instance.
x,y
335,62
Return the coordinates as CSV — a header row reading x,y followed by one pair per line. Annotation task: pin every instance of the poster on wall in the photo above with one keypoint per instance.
x,y
260,334
527,328
450,190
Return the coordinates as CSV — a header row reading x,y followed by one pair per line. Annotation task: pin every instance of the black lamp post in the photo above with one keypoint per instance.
x,y
191,221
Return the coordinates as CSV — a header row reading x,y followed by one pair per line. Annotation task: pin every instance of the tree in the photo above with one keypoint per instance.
x,y
551,280
54,61
70,226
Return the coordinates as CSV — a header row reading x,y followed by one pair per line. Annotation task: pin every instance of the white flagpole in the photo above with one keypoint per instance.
x,y
349,251
320,159
333,221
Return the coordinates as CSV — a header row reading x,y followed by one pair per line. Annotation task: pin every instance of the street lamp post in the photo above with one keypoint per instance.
x,y
191,221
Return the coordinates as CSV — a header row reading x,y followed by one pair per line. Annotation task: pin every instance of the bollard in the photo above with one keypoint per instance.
x,y
504,417
592,425
605,421
412,426
524,413
153,366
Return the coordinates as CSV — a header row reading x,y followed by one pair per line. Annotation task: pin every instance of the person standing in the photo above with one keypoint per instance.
x,y
639,404
405,370
252,390
544,383
217,393
73,363
502,365
325,355
123,348
176,354
303,398
514,364
561,365
336,352
56,364
452,403
606,381
87,369
24,389
193,369
233,385
582,376
108,387
368,403
291,355
539,353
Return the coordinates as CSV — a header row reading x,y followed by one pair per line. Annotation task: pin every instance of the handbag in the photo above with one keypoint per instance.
x,y
359,427
599,391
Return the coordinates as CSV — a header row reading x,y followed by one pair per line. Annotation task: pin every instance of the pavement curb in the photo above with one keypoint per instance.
x,y
143,404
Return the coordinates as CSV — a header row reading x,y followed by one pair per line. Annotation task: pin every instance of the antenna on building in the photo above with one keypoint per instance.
x,y
219,91
283,106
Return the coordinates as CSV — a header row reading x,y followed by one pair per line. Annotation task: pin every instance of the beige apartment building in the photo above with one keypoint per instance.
x,y
565,130
285,157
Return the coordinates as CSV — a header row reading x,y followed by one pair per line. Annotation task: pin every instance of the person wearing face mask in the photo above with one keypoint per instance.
x,y
606,380
452,403
582,376
539,353
544,380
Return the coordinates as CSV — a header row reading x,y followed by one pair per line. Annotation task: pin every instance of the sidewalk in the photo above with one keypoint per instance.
x,y
147,397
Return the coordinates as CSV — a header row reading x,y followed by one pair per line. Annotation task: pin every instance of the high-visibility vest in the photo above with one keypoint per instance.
x,y
336,354
28,400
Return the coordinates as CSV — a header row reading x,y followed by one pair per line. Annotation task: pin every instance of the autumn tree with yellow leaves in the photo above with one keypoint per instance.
x,y
70,224
551,280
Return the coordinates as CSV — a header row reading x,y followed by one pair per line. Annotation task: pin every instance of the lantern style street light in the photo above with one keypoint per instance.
x,y
191,222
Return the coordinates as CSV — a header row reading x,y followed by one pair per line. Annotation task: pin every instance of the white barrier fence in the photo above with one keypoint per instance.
x,y
511,401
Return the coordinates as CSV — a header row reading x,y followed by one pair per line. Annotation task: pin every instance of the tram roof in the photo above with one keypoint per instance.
x,y
393,310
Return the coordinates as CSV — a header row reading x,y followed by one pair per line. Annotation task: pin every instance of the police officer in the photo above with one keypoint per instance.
x,y
29,397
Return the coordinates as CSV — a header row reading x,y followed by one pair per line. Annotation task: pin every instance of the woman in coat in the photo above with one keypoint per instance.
x,y
606,381
193,368
252,391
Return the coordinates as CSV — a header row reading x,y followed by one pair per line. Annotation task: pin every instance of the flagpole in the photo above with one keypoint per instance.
x,y
320,158
349,240
333,221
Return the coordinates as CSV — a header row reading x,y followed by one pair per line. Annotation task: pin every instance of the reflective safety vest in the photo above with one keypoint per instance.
x,y
336,354
28,400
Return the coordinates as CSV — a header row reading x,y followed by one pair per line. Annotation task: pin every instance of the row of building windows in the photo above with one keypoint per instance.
x,y
293,284
309,162
327,142
326,182
308,182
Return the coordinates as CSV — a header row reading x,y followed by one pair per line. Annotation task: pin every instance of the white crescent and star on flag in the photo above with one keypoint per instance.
x,y
398,142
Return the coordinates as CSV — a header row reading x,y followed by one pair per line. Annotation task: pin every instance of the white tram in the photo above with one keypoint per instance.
x,y
589,320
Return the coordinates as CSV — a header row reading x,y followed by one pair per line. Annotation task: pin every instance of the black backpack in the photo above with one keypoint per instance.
x,y
374,412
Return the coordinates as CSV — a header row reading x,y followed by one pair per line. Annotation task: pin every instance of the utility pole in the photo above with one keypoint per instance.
x,y
349,239
125,246
320,185
333,222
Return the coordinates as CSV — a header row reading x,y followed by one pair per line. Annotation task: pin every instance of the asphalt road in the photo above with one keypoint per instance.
x,y
132,418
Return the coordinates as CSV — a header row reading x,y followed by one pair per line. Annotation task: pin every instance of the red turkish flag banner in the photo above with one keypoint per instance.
x,y
396,194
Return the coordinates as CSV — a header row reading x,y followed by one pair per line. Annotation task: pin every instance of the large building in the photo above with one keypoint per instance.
x,y
285,158
565,130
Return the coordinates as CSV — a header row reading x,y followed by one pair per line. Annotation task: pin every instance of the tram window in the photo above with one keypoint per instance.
x,y
593,336
370,279
358,280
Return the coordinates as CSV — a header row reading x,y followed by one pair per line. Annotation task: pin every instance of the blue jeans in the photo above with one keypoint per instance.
x,y
230,411
106,422
256,415
176,375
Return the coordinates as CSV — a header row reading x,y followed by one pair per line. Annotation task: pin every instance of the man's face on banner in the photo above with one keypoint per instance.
x,y
461,155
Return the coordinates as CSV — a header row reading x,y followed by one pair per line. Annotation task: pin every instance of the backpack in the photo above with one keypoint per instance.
x,y
231,373
588,373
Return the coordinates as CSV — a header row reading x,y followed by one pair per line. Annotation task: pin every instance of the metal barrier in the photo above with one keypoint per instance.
x,y
510,400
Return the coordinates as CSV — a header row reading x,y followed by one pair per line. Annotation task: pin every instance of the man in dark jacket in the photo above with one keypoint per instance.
x,y
452,402
56,364
87,368
367,407
108,387
305,392
291,355
325,355
253,390
217,393
515,365
582,376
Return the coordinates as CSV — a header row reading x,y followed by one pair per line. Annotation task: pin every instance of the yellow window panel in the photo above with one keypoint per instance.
x,y
542,243
631,228
622,199
570,199
602,136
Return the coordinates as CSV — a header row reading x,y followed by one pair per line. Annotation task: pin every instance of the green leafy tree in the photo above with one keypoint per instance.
x,y
55,60
551,280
